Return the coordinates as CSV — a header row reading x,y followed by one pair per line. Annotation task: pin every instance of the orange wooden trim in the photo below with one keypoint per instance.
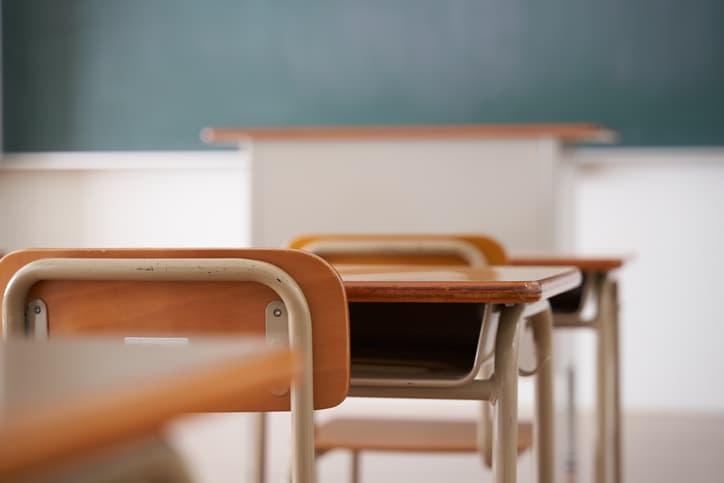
x,y
578,132
500,292
587,264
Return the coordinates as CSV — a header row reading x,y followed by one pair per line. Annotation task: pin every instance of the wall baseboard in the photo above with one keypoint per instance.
x,y
123,160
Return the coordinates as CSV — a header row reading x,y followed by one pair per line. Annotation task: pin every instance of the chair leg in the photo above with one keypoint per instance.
x,y
505,444
256,442
303,470
354,467
542,324
571,461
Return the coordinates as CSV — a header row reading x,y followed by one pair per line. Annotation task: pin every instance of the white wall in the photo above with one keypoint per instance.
x,y
124,199
666,208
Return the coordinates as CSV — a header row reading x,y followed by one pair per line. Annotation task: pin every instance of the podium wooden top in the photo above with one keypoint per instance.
x,y
572,133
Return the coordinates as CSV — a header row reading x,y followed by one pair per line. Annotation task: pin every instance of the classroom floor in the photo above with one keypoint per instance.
x,y
659,447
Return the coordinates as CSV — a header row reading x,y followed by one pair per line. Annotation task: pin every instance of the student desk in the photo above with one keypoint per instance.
x,y
511,292
67,398
599,290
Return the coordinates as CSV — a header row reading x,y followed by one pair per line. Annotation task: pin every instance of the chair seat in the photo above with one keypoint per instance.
x,y
418,435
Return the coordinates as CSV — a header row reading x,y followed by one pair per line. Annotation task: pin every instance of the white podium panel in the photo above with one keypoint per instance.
x,y
513,190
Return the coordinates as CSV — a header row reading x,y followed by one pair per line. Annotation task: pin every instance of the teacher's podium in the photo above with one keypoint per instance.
x,y
510,180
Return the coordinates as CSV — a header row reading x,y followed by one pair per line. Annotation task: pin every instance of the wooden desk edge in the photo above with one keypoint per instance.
x,y
77,426
586,264
463,292
571,133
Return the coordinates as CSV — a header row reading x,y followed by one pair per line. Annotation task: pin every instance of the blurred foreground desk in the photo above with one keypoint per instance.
x,y
505,295
510,180
66,399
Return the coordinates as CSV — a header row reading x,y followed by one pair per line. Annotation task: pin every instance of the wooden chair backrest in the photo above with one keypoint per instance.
x,y
215,308
490,248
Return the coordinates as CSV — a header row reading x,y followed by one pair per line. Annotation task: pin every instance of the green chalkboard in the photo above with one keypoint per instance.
x,y
149,74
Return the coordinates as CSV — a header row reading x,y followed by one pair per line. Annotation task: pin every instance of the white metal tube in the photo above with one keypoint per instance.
x,y
542,325
484,426
609,403
196,269
505,445
601,406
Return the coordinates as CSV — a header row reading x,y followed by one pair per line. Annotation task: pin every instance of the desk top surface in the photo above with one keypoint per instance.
x,y
65,397
585,263
575,132
494,284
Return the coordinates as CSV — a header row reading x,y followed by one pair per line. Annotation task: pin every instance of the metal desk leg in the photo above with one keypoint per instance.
x,y
505,433
608,449
611,379
601,397
616,384
542,325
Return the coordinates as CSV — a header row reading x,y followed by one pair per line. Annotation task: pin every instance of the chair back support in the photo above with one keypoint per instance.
x,y
193,308
392,249
453,354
